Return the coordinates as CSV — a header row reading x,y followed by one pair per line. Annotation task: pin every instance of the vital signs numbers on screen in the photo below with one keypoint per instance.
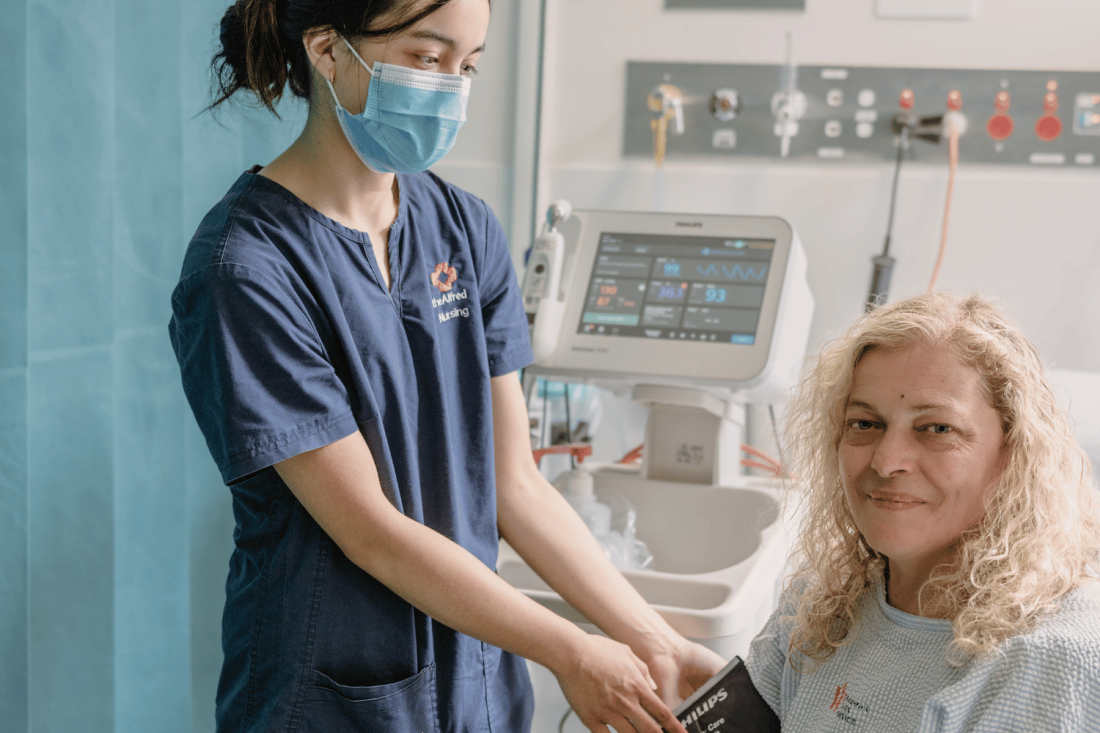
x,y
677,287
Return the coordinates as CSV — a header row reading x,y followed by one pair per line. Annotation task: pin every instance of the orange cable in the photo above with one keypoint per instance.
x,y
778,473
953,158
632,455
762,456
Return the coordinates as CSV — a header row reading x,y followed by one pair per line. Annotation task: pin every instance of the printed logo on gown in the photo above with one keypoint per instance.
x,y
840,697
444,276
846,708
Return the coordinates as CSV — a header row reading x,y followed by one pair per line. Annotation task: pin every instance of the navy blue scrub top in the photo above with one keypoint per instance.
x,y
288,340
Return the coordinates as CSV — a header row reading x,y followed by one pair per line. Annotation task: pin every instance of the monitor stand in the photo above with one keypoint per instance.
x,y
693,435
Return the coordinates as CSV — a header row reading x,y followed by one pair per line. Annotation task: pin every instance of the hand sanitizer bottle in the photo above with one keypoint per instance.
x,y
578,492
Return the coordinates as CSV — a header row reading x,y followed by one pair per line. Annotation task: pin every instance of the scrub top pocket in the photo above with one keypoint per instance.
x,y
407,706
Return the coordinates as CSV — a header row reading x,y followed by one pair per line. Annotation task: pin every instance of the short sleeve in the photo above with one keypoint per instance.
x,y
254,369
767,664
507,338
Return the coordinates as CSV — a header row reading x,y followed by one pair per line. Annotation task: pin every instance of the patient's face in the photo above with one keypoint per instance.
x,y
920,450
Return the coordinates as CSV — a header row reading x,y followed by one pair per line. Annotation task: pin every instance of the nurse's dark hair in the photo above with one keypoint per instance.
x,y
261,50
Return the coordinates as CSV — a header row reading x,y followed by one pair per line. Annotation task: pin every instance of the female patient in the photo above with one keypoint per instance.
x,y
951,537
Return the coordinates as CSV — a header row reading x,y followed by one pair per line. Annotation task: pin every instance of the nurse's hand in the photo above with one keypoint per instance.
x,y
608,685
681,668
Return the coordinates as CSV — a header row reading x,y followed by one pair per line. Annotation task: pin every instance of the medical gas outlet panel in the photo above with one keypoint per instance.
x,y
852,113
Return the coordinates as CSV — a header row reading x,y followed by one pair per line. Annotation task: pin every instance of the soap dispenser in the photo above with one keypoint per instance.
x,y
578,492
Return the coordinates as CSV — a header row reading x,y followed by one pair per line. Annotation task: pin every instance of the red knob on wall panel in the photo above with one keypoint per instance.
x,y
1003,101
1048,128
1000,126
905,101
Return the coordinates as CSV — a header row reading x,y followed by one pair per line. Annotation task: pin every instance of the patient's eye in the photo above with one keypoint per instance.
x,y
861,425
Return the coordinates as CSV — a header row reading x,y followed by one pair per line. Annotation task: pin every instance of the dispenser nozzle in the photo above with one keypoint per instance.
x,y
558,212
580,482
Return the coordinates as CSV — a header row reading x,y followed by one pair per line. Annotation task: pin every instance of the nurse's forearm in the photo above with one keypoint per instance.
x,y
452,586
422,566
536,521
541,526
604,681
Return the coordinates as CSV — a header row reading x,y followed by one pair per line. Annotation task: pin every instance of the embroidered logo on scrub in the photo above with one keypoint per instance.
x,y
845,708
443,277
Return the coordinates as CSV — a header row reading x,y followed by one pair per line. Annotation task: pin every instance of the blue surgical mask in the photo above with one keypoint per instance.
x,y
410,120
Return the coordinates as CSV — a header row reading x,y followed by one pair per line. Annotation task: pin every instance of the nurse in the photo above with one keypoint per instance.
x,y
348,329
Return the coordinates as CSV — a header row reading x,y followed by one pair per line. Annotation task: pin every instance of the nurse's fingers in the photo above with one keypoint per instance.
x,y
620,725
636,719
644,669
659,715
649,717
607,684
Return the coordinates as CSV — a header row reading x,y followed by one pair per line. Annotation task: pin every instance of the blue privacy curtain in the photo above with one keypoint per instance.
x,y
115,530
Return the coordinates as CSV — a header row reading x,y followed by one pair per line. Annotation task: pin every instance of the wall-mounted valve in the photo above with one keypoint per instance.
x,y
954,119
666,104
1000,124
725,104
909,125
788,104
1049,126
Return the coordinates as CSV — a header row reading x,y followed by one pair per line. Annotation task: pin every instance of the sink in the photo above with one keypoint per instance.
x,y
719,556
692,529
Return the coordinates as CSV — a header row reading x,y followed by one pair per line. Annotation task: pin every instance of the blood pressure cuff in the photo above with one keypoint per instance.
x,y
728,703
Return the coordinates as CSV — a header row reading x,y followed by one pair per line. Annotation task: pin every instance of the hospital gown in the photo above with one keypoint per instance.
x,y
894,675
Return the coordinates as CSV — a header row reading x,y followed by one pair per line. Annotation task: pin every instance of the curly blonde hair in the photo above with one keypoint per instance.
x,y
1039,536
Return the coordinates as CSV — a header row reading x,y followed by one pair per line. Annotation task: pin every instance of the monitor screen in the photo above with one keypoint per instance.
x,y
682,287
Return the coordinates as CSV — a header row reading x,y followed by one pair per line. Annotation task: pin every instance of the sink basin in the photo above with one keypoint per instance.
x,y
719,556
692,529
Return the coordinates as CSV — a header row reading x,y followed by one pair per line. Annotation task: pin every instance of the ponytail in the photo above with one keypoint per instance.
x,y
253,55
261,41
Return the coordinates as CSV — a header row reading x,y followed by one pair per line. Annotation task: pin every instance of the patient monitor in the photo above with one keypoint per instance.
x,y
698,315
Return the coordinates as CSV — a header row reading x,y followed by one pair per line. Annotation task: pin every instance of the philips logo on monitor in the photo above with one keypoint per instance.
x,y
690,224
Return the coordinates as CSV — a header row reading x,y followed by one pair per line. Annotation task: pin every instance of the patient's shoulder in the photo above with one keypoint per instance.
x,y
1065,644
1044,681
1076,621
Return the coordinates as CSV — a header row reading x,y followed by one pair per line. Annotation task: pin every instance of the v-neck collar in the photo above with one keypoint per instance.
x,y
396,253
396,256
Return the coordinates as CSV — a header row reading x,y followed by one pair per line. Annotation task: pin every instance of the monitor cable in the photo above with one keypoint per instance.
x,y
884,263
561,724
